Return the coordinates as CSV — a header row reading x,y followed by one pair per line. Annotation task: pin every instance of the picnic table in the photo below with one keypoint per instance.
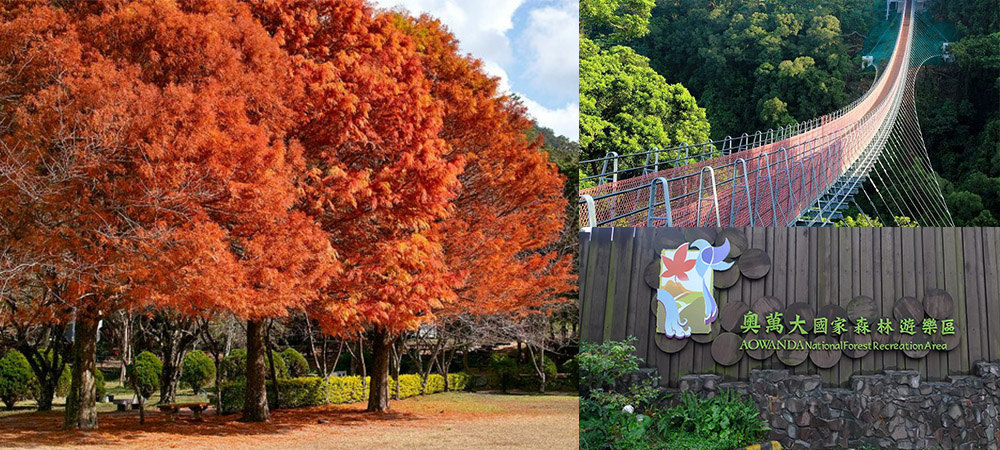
x,y
172,409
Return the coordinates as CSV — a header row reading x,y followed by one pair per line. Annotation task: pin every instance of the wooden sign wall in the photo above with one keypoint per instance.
x,y
940,273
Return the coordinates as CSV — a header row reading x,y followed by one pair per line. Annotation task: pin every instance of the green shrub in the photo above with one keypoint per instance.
x,y
296,363
572,367
145,372
727,420
198,370
504,368
16,378
313,391
234,366
550,367
99,384
65,380
601,365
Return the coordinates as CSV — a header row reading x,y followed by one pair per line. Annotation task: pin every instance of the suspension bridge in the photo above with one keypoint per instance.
x,y
806,174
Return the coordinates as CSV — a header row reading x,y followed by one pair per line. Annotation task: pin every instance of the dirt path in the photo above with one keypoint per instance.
x,y
453,420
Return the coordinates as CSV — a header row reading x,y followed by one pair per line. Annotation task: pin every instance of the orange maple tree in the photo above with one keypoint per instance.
x,y
147,144
510,208
377,177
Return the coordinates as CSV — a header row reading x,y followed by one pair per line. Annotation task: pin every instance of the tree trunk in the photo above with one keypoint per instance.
x,y
361,358
81,403
397,360
126,347
170,375
312,346
47,369
270,364
255,400
218,384
378,396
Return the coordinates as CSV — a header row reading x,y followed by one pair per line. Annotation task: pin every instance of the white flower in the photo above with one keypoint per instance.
x,y
628,409
640,418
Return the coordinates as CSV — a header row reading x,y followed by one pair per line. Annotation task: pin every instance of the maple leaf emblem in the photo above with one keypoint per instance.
x,y
679,265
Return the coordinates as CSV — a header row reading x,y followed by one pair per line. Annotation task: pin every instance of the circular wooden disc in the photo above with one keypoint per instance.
x,y
670,345
760,354
938,304
726,349
804,311
890,338
793,357
652,274
831,312
854,338
727,278
824,359
919,338
951,339
764,306
754,263
667,238
692,234
908,308
731,317
706,338
860,307
737,241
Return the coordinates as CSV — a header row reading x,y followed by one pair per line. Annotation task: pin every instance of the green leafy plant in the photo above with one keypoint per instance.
x,y
16,378
234,366
296,363
198,370
727,419
602,365
145,372
99,387
504,368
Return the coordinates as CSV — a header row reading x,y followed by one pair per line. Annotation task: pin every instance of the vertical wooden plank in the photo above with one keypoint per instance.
x,y
930,270
587,267
867,278
908,284
845,291
616,319
888,267
918,270
601,275
974,301
952,269
963,315
645,323
991,253
823,273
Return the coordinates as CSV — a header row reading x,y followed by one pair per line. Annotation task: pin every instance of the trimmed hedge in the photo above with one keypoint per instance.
x,y
198,370
314,391
16,378
297,364
145,371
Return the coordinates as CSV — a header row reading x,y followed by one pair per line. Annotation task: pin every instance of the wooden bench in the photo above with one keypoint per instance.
x,y
123,404
172,409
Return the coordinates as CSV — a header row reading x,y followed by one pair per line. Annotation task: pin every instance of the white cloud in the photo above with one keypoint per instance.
x,y
480,26
564,120
554,47
543,55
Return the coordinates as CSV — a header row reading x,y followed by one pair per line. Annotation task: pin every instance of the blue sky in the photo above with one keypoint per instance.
x,y
532,45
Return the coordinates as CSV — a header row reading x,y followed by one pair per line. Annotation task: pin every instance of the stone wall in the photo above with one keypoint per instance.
x,y
895,409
